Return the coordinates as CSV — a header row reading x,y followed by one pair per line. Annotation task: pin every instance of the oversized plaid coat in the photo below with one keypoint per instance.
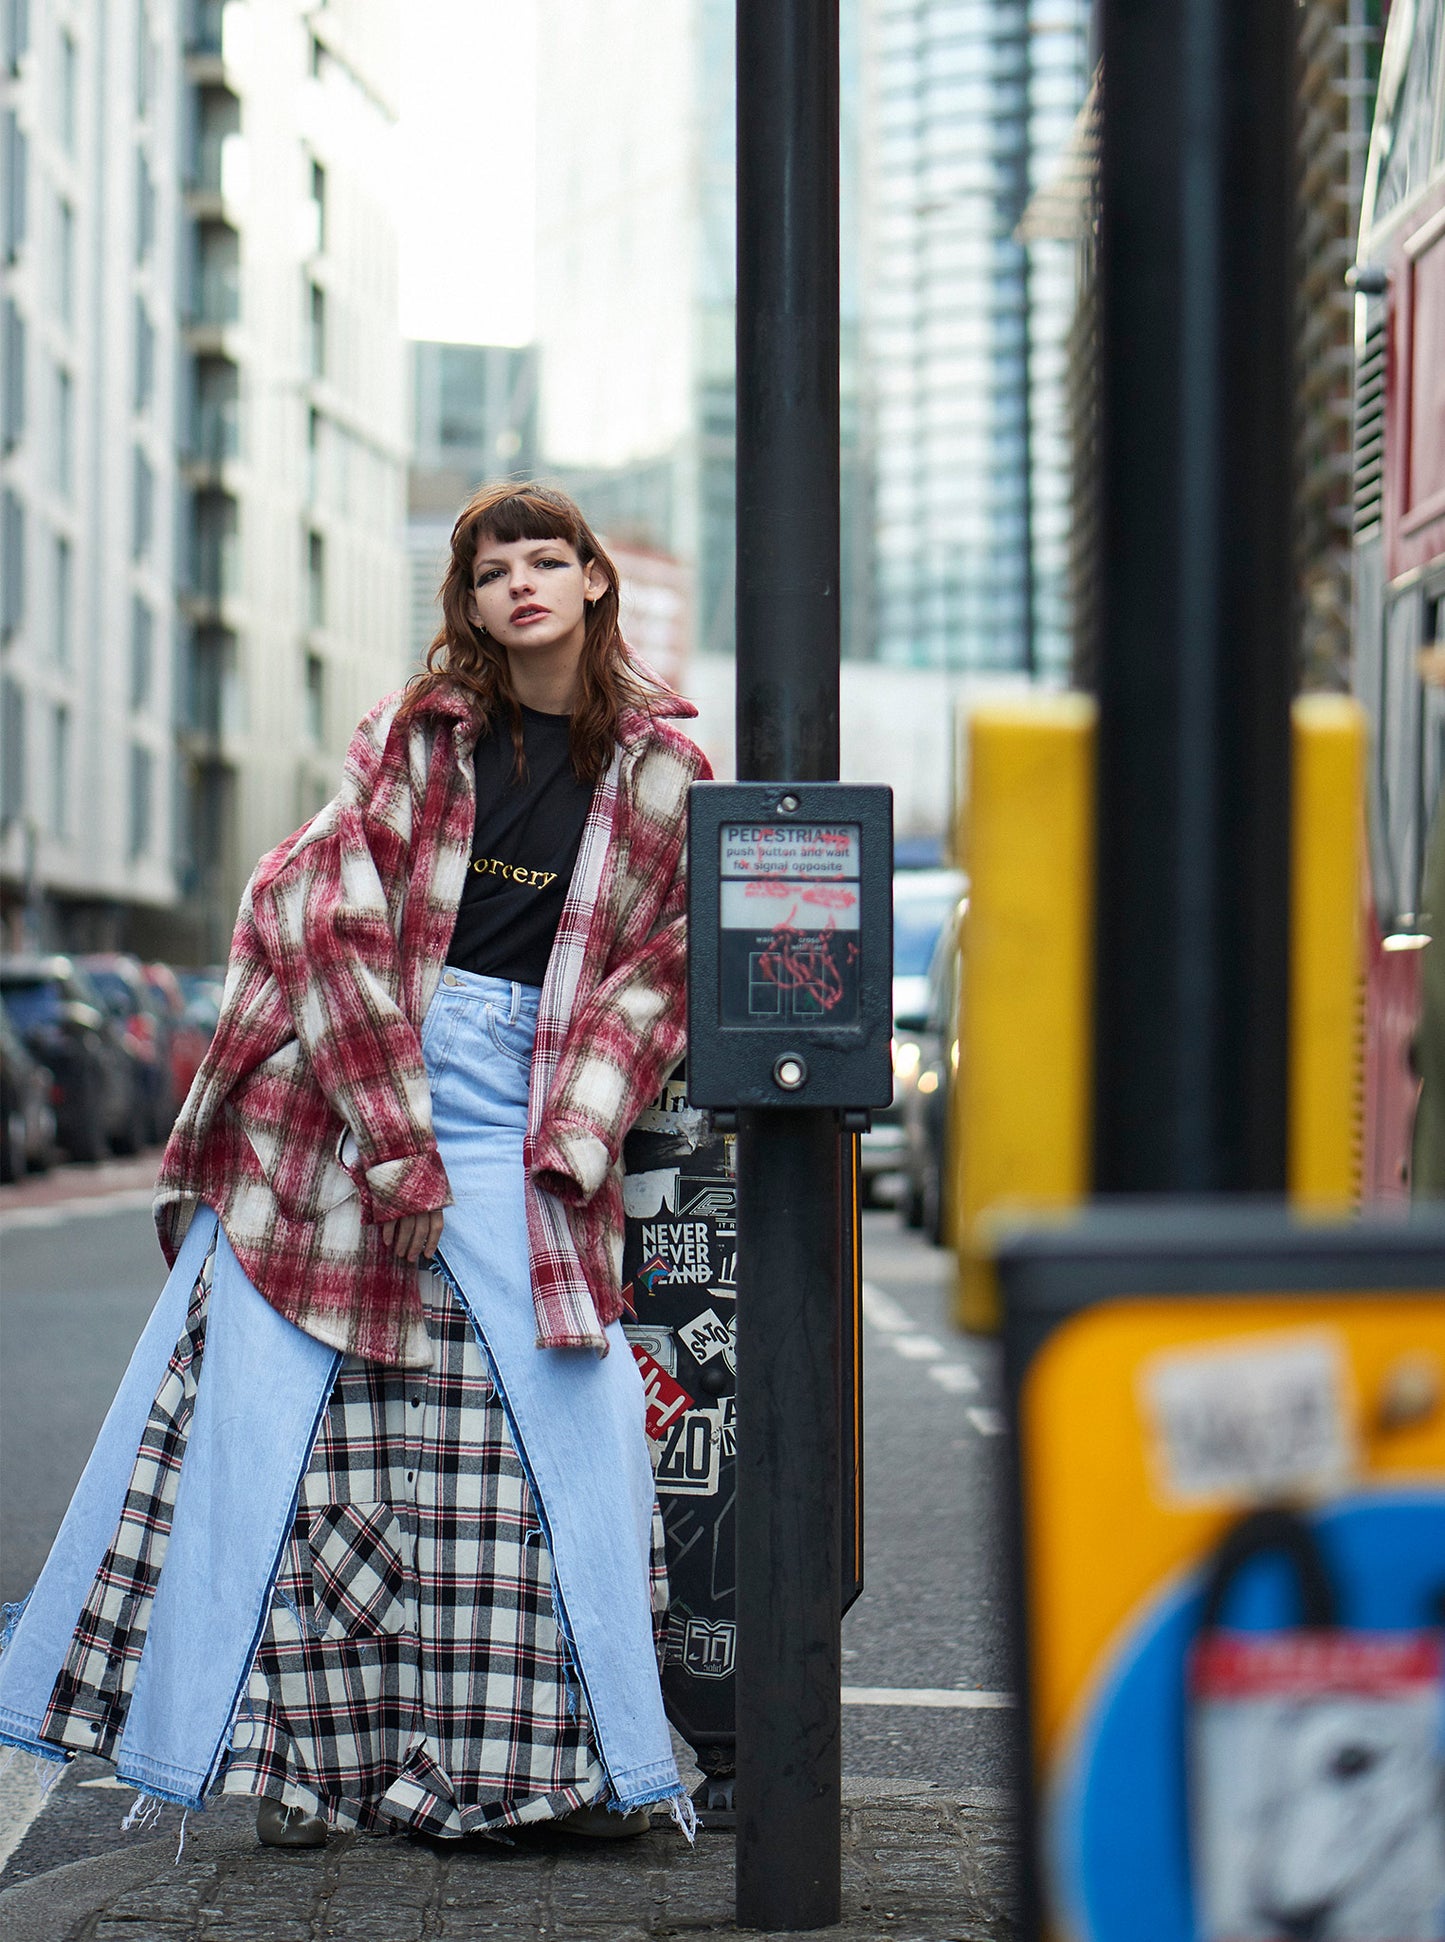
x,y
309,1122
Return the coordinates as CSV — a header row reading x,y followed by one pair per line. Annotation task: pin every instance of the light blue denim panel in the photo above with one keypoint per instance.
x,y
38,1644
263,1387
576,1417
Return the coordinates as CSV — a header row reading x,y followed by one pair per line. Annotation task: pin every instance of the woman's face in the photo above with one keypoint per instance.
x,y
532,594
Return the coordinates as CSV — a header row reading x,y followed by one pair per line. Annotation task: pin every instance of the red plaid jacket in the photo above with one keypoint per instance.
x,y
341,938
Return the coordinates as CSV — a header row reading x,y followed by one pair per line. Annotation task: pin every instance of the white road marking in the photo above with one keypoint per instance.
x,y
58,1212
886,1315
955,1377
925,1696
918,1348
988,1422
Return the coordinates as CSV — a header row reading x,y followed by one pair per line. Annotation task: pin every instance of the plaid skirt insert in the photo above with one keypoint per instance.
x,y
412,1672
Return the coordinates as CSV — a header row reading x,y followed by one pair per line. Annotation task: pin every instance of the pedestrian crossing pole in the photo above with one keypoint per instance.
x,y
789,1762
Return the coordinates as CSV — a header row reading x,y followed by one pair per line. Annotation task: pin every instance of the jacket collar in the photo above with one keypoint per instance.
x,y
454,704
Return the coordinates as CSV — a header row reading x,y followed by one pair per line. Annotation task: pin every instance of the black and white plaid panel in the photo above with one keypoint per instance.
x,y
88,1704
458,1718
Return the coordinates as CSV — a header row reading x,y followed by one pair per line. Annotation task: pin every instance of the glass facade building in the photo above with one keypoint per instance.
x,y
967,105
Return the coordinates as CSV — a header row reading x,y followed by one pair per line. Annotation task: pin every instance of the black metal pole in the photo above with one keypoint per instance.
x,y
789,1763
1196,623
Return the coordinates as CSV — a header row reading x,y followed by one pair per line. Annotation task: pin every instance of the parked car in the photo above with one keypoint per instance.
x,y
145,1030
202,991
190,1028
922,900
63,1021
27,1107
923,1080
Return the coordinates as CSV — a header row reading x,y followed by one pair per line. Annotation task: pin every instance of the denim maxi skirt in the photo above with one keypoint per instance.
x,y
140,1640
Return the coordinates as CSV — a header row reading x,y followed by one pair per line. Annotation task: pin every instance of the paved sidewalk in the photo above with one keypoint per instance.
x,y
921,1863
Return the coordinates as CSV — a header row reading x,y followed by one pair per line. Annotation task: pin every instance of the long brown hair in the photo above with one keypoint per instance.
x,y
608,680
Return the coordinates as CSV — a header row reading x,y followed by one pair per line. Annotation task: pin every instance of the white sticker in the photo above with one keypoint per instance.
x,y
658,1343
644,1195
687,1461
1251,1420
708,1335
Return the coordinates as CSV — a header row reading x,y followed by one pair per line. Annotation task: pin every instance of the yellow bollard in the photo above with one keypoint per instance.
x,y
1326,953
1019,1122
1020,1101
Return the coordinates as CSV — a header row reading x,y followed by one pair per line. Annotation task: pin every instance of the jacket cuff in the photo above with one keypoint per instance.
x,y
415,1184
570,1164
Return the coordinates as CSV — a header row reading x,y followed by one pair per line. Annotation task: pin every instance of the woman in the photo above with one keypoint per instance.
x,y
376,1543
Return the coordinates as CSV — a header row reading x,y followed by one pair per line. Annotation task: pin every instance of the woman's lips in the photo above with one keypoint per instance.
x,y
524,615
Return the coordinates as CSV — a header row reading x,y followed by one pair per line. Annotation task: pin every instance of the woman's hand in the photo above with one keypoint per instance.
x,y
413,1237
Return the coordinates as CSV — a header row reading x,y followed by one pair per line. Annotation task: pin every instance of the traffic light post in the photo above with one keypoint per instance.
x,y
789,1758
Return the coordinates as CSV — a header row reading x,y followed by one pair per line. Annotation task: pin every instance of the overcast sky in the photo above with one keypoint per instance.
x,y
468,105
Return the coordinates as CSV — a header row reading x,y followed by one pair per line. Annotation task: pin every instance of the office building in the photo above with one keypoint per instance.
x,y
294,592
90,361
204,448
966,104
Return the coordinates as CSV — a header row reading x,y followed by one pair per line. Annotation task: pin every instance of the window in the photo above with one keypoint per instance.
x,y
218,428
12,563
142,780
69,83
142,649
218,274
219,118
64,601
144,58
65,262
142,506
204,36
315,580
16,23
12,749
145,357
318,331
12,377
215,562
315,715
145,207
318,199
15,157
64,429
60,771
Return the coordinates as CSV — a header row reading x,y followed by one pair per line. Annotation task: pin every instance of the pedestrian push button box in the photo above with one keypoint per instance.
x,y
790,944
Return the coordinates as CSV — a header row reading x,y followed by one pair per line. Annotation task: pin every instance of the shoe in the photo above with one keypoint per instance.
x,y
601,1824
278,1826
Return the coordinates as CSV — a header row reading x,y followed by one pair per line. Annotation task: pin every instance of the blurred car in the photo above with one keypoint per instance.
x,y
145,1030
64,1023
202,993
923,1080
922,901
27,1107
190,1033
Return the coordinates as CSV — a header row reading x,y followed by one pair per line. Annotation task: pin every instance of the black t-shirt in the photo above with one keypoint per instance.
x,y
523,851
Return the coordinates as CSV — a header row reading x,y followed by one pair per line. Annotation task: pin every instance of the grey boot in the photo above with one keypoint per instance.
x,y
601,1824
278,1826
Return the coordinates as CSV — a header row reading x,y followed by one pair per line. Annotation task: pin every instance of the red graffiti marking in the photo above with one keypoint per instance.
x,y
803,962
